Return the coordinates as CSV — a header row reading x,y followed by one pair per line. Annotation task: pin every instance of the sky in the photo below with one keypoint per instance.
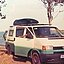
x,y
35,9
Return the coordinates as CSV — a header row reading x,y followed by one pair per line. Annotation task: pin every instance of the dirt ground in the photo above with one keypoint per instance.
x,y
8,59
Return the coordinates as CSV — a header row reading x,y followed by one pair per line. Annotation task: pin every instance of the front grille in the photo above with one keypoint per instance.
x,y
61,52
57,48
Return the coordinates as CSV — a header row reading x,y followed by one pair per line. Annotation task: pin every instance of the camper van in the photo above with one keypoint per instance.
x,y
42,43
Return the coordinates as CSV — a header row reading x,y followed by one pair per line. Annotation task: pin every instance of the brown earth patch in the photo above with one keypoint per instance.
x,y
8,59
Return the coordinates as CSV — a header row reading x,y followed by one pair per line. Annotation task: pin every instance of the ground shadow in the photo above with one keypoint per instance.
x,y
22,59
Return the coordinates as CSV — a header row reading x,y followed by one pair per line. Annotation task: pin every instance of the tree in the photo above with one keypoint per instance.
x,y
2,4
49,4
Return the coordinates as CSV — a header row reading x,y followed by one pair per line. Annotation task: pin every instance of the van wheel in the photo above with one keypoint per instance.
x,y
35,58
8,50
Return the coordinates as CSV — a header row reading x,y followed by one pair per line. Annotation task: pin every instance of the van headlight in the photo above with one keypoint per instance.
x,y
47,47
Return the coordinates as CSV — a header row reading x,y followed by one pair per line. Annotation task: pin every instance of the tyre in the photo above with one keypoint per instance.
x,y
8,50
35,58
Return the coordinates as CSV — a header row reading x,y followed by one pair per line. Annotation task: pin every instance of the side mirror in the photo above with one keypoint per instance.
x,y
29,36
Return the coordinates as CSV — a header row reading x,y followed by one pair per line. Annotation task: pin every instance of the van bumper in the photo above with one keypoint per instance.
x,y
52,58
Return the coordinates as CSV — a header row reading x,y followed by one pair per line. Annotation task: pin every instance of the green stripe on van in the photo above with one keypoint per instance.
x,y
23,51
52,51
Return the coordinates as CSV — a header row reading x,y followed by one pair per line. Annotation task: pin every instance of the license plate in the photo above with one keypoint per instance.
x,y
62,56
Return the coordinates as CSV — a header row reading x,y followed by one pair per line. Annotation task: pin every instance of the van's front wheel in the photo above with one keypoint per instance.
x,y
35,58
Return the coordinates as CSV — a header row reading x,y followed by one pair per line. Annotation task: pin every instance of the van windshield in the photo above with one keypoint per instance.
x,y
46,32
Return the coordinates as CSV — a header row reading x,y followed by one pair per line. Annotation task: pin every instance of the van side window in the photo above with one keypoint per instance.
x,y
29,35
11,32
19,32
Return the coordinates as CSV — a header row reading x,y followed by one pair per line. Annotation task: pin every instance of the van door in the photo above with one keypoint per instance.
x,y
24,41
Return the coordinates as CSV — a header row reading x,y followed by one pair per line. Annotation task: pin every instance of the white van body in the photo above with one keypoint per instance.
x,y
47,40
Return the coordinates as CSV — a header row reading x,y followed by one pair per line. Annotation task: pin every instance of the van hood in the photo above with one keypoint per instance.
x,y
57,41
